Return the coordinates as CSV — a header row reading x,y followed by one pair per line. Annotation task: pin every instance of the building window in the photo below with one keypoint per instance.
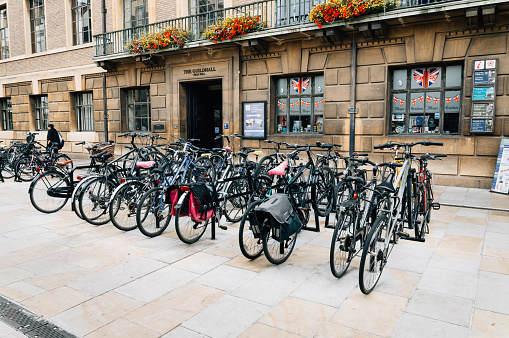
x,y
426,100
84,107
4,35
81,22
37,25
6,114
135,13
138,110
203,14
41,112
299,104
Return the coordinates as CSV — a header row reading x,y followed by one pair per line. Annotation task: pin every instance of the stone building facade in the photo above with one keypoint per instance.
x,y
201,89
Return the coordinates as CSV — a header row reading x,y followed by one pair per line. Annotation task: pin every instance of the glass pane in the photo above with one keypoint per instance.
x,y
319,85
399,103
433,102
305,105
281,87
318,125
282,106
399,79
417,102
452,101
398,124
306,124
453,76
415,124
295,124
281,124
300,85
294,106
431,123
318,105
426,77
451,123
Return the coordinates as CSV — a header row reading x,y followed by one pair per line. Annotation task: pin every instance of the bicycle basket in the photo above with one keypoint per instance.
x,y
283,218
103,146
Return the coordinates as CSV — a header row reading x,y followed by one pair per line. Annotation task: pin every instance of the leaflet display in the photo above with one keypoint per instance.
x,y
500,182
484,94
254,117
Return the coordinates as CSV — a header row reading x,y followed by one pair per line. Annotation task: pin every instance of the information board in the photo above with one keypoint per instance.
x,y
254,119
500,182
484,93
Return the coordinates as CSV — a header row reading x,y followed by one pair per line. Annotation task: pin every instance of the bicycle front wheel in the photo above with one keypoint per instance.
x,y
202,171
234,207
124,204
342,249
152,214
188,230
250,246
374,255
25,169
94,200
47,191
323,191
275,251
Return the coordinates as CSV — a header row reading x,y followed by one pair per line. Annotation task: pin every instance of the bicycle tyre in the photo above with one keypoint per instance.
x,y
126,197
75,197
100,199
44,179
246,236
263,166
323,188
234,208
24,168
194,175
369,274
189,231
341,244
285,248
146,219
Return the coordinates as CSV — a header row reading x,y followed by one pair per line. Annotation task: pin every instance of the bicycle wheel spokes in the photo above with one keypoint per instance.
x,y
235,207
250,246
342,245
374,256
43,190
323,191
188,230
94,199
153,215
275,251
124,205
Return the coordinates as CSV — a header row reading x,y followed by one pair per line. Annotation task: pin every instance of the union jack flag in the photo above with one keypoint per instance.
x,y
457,98
421,98
401,102
300,85
428,98
426,78
436,100
448,100
414,101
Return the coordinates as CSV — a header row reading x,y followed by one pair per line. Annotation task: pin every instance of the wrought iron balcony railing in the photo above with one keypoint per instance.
x,y
275,13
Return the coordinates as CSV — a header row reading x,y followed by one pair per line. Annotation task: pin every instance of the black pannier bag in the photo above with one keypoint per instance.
x,y
206,195
279,212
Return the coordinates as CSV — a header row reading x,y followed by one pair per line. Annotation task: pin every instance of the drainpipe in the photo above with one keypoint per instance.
x,y
105,106
353,81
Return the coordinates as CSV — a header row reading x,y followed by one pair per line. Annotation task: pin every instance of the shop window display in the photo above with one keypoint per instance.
x,y
299,104
426,100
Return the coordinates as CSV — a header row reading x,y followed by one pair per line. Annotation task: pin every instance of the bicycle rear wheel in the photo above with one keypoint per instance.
x,y
124,203
275,251
188,230
234,207
342,249
250,246
25,169
43,189
94,199
374,255
152,214
203,171
323,191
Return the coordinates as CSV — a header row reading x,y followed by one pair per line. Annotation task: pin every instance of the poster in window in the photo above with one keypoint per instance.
x,y
319,84
306,105
482,110
254,117
417,102
398,123
294,106
484,77
453,76
398,103
399,79
281,86
282,106
452,101
426,77
483,93
432,102
301,85
319,104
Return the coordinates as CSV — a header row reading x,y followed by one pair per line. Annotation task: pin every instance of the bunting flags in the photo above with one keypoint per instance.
x,y
429,98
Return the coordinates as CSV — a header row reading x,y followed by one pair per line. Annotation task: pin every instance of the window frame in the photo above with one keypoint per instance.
x,y
4,34
442,89
6,107
128,22
79,11
289,95
84,111
131,102
41,112
203,15
37,46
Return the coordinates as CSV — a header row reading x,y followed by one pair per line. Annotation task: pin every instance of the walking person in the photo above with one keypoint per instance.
x,y
54,137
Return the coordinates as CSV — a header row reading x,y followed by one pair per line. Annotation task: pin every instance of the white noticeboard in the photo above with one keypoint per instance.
x,y
500,182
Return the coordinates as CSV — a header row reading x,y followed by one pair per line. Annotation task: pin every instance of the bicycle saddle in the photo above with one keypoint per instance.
x,y
387,184
62,163
356,179
279,170
145,164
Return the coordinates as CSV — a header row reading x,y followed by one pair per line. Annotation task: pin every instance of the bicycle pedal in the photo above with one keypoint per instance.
x,y
435,206
223,227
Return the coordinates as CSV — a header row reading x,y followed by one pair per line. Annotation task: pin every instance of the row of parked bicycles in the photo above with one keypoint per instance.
x,y
371,205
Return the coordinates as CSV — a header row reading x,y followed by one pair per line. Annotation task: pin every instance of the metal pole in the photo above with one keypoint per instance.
x,y
105,106
353,81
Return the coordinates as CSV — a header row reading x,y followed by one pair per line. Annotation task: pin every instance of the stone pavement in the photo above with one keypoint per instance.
x,y
100,282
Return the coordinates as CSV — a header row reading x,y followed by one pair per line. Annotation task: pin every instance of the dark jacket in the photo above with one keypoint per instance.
x,y
53,136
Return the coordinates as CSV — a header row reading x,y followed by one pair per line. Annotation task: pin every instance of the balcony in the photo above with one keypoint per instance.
x,y
280,16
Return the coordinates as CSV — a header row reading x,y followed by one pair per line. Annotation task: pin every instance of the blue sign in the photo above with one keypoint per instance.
x,y
217,130
226,126
483,93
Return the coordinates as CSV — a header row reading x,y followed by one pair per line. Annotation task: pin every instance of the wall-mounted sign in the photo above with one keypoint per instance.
x,y
199,71
254,117
484,95
501,177
158,127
